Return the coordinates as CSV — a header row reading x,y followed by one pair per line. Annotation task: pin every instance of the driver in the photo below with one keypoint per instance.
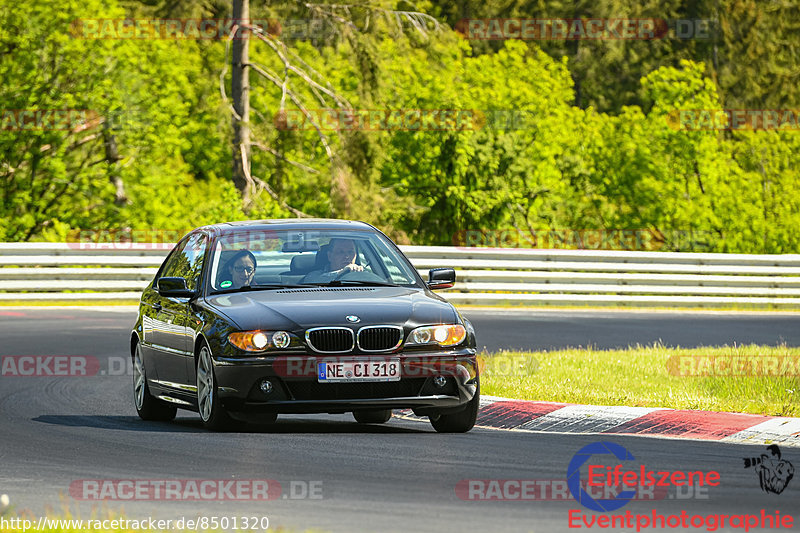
x,y
341,260
239,270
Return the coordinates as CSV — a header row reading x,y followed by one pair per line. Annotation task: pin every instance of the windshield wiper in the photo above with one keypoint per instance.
x,y
337,282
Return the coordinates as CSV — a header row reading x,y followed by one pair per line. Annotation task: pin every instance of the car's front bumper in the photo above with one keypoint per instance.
x,y
295,388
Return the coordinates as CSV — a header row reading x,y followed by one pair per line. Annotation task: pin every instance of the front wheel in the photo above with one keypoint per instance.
x,y
462,421
212,413
374,416
148,407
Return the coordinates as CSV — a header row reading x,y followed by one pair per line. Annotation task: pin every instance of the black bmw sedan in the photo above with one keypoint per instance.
x,y
246,320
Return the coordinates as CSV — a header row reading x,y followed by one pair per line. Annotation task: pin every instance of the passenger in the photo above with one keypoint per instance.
x,y
239,270
341,260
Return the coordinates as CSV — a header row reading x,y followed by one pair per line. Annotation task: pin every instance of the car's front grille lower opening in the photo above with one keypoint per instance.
x,y
379,338
330,340
313,390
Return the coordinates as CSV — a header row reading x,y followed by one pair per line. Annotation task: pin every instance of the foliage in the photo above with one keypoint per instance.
x,y
560,134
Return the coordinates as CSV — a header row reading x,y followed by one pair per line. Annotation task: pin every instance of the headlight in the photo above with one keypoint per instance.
x,y
443,335
281,339
259,341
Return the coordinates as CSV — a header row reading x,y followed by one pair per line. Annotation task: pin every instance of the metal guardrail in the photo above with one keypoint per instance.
x,y
48,271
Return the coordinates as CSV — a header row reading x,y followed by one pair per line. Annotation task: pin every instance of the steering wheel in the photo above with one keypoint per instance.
x,y
342,274
359,275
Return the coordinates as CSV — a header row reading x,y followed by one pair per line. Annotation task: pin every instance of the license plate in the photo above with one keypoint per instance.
x,y
358,371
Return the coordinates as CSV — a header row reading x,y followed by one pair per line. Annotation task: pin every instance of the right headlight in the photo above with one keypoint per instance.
x,y
443,335
259,340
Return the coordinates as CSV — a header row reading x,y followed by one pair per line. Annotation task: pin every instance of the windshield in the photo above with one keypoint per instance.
x,y
266,259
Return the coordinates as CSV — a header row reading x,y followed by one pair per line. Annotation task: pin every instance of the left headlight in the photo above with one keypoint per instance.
x,y
443,335
259,340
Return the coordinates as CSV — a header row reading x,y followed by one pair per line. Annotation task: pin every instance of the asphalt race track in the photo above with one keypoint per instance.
x,y
548,330
402,476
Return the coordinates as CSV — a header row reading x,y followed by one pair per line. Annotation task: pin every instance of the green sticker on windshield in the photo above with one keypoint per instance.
x,y
226,284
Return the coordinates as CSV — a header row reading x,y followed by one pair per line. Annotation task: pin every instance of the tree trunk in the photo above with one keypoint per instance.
x,y
240,89
112,159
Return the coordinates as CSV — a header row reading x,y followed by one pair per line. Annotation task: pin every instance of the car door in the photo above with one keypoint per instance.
x,y
158,322
170,332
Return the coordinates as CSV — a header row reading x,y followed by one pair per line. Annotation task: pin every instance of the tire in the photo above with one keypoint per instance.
x,y
148,407
372,416
462,421
268,418
212,413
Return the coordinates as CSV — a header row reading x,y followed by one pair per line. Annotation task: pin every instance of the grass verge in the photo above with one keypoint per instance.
x,y
744,379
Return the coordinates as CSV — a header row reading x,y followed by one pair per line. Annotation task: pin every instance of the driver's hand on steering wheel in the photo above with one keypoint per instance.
x,y
352,267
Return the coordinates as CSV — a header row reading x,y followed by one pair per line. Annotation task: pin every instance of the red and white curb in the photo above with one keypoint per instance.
x,y
521,415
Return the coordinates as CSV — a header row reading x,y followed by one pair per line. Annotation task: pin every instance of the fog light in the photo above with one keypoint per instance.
x,y
440,381
266,386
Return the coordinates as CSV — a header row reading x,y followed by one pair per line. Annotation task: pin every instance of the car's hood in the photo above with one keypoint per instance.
x,y
294,309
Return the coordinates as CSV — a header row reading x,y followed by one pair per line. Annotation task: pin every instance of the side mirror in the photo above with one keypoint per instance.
x,y
173,288
441,278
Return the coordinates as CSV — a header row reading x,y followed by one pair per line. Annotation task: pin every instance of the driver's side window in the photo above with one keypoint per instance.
x,y
187,261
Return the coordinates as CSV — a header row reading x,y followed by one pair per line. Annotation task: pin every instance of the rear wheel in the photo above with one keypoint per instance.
x,y
462,421
212,413
372,416
148,407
